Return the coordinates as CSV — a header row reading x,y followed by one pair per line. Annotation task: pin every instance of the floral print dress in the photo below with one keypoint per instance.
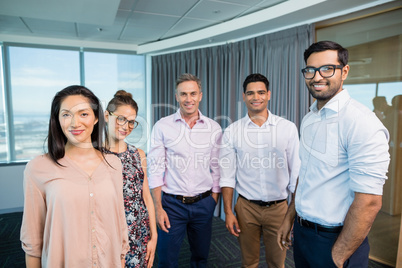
x,y
136,211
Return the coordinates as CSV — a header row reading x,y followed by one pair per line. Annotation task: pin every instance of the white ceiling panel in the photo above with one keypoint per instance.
x,y
270,3
264,4
61,10
188,25
241,2
142,24
99,32
106,33
216,11
127,4
55,28
151,21
170,7
12,25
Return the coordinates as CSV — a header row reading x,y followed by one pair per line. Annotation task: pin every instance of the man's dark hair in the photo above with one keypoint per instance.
x,y
321,46
255,78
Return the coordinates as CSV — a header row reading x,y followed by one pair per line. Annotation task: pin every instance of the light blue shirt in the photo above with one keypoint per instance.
x,y
261,163
343,150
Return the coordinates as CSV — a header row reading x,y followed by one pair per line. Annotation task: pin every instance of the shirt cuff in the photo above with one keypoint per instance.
x,y
155,182
366,184
227,183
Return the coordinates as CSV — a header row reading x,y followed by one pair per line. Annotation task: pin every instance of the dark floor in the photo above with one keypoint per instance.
x,y
224,250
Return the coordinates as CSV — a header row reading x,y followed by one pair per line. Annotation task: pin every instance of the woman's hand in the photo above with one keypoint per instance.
x,y
151,248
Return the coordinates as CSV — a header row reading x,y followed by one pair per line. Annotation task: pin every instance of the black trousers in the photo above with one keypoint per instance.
x,y
312,248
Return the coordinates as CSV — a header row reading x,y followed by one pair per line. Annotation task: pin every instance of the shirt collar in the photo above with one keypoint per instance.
x,y
335,104
177,117
271,120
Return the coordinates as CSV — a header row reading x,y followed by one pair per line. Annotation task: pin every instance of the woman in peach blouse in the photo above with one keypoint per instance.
x,y
73,207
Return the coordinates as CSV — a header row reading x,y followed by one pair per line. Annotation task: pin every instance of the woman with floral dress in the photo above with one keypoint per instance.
x,y
120,116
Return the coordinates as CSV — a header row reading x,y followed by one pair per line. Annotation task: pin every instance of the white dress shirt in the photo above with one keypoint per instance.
x,y
343,150
184,160
261,163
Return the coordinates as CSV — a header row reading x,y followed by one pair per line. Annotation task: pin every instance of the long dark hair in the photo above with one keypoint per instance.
x,y
56,140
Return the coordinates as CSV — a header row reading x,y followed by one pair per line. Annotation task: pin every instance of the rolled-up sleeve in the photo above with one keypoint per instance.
x,y
156,158
227,161
368,155
34,216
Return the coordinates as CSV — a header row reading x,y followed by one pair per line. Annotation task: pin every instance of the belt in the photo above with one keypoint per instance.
x,y
190,199
318,227
262,203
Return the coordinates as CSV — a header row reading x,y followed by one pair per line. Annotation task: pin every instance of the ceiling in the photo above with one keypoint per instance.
x,y
156,26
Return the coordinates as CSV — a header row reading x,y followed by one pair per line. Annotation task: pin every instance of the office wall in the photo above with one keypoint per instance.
x,y
11,189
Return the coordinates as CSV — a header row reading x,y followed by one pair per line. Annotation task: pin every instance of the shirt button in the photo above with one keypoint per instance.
x,y
91,194
93,230
94,247
92,212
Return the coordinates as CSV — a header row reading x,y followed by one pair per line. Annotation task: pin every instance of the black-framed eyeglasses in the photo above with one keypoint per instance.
x,y
121,120
326,71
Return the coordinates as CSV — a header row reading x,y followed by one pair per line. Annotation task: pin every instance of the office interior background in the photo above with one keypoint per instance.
x,y
143,45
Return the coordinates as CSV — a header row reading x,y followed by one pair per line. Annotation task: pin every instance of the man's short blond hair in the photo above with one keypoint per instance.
x,y
188,77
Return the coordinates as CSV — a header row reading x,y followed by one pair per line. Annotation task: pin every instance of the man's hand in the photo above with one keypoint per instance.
x,y
358,222
232,225
162,220
215,196
283,234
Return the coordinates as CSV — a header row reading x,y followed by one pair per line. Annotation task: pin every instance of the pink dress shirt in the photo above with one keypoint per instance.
x,y
184,160
71,219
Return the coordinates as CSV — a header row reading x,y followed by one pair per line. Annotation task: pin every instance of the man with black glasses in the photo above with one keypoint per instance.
x,y
344,161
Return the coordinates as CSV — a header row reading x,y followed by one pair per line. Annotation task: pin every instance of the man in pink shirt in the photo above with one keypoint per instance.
x,y
183,164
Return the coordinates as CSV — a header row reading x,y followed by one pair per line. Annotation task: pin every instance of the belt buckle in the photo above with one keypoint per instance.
x,y
188,199
301,221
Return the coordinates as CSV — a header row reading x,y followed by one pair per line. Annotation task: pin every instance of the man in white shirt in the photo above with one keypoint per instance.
x,y
258,158
344,156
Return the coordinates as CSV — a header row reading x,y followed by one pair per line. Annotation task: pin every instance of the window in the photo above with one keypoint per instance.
x,y
3,133
365,93
35,74
389,90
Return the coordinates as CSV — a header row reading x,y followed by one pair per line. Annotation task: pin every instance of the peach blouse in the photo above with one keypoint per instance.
x,y
71,219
